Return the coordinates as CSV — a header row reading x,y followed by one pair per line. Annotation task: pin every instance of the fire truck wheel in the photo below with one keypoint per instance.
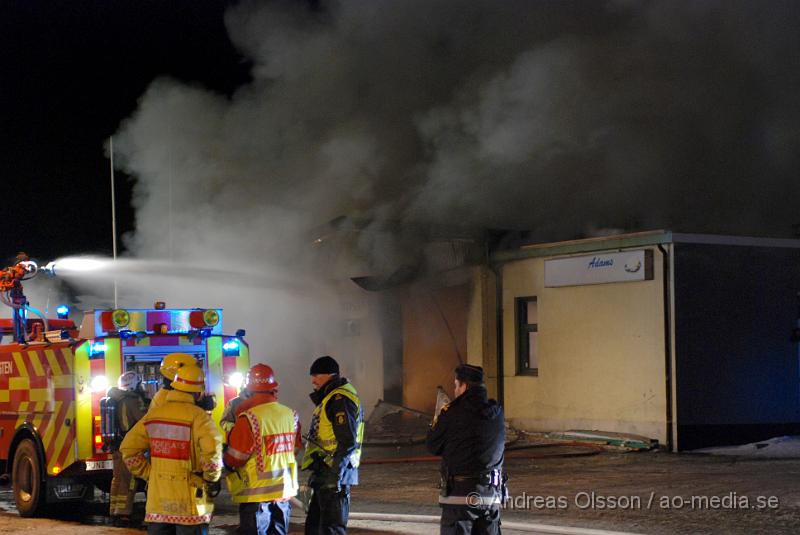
x,y
26,479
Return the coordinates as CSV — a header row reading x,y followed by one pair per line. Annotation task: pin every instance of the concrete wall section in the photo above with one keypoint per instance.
x,y
601,354
482,331
358,347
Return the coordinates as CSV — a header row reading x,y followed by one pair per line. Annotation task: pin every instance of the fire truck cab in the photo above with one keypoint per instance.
x,y
51,445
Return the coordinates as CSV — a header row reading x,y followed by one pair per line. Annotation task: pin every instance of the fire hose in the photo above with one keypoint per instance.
x,y
593,449
516,526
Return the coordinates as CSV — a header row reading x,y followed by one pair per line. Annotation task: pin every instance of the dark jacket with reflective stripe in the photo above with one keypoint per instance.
x,y
470,436
345,429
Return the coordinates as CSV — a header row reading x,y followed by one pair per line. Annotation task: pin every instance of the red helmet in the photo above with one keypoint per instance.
x,y
261,378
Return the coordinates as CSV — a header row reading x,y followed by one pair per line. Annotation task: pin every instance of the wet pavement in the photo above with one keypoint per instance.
x,y
648,492
91,518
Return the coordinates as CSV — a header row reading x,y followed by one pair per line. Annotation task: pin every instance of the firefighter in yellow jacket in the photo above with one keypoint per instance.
x,y
260,452
169,368
185,458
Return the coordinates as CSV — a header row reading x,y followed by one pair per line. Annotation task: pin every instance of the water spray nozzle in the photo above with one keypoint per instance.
x,y
49,269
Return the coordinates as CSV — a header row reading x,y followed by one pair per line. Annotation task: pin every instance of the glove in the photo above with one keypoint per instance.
x,y
199,483
213,488
227,469
208,402
327,479
304,494
318,464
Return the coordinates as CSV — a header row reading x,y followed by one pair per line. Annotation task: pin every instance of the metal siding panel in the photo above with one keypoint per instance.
x,y
113,360
82,422
55,367
35,359
22,370
214,384
48,432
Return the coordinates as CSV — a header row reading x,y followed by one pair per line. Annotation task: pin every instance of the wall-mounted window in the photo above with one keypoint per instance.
x,y
527,316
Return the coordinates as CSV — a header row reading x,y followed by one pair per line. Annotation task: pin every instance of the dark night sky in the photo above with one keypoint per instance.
x,y
71,72
619,115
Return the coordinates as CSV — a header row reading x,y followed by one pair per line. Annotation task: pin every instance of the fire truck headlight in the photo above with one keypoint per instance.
x,y
236,380
99,383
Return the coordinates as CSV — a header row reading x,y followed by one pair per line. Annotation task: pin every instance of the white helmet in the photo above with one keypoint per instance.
x,y
129,381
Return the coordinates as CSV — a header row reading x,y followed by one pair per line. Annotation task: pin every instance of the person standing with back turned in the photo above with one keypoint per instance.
x,y
260,453
333,448
185,458
469,434
169,367
131,405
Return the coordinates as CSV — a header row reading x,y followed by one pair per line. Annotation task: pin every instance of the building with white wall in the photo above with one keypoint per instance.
x,y
688,339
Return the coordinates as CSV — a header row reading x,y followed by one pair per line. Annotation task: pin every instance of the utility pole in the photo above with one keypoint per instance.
x,y
113,214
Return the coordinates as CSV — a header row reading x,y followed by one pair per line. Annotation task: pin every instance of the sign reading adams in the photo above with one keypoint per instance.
x,y
599,268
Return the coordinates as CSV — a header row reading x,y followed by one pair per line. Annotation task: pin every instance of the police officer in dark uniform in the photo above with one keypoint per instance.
x,y
333,448
470,436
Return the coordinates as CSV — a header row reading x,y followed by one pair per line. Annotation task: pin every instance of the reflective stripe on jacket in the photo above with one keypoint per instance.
x,y
270,472
183,442
473,500
321,436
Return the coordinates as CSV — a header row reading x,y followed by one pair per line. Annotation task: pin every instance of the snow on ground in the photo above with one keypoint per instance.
x,y
786,447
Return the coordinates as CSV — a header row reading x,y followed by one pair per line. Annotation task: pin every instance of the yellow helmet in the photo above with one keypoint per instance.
x,y
189,379
173,361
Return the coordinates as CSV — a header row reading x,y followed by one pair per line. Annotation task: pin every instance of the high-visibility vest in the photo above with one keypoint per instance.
x,y
322,438
270,472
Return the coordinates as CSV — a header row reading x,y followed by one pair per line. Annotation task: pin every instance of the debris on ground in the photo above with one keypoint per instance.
x,y
786,447
623,441
395,425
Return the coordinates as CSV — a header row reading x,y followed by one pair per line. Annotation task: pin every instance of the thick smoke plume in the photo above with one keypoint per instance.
x,y
553,117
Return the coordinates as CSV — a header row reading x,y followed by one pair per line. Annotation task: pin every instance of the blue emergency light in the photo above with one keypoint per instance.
x,y
62,311
231,348
97,350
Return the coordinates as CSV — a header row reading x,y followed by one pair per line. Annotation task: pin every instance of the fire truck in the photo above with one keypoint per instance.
x,y
53,375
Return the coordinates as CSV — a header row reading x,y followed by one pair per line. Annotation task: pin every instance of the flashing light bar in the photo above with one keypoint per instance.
x,y
120,317
231,348
152,321
199,319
